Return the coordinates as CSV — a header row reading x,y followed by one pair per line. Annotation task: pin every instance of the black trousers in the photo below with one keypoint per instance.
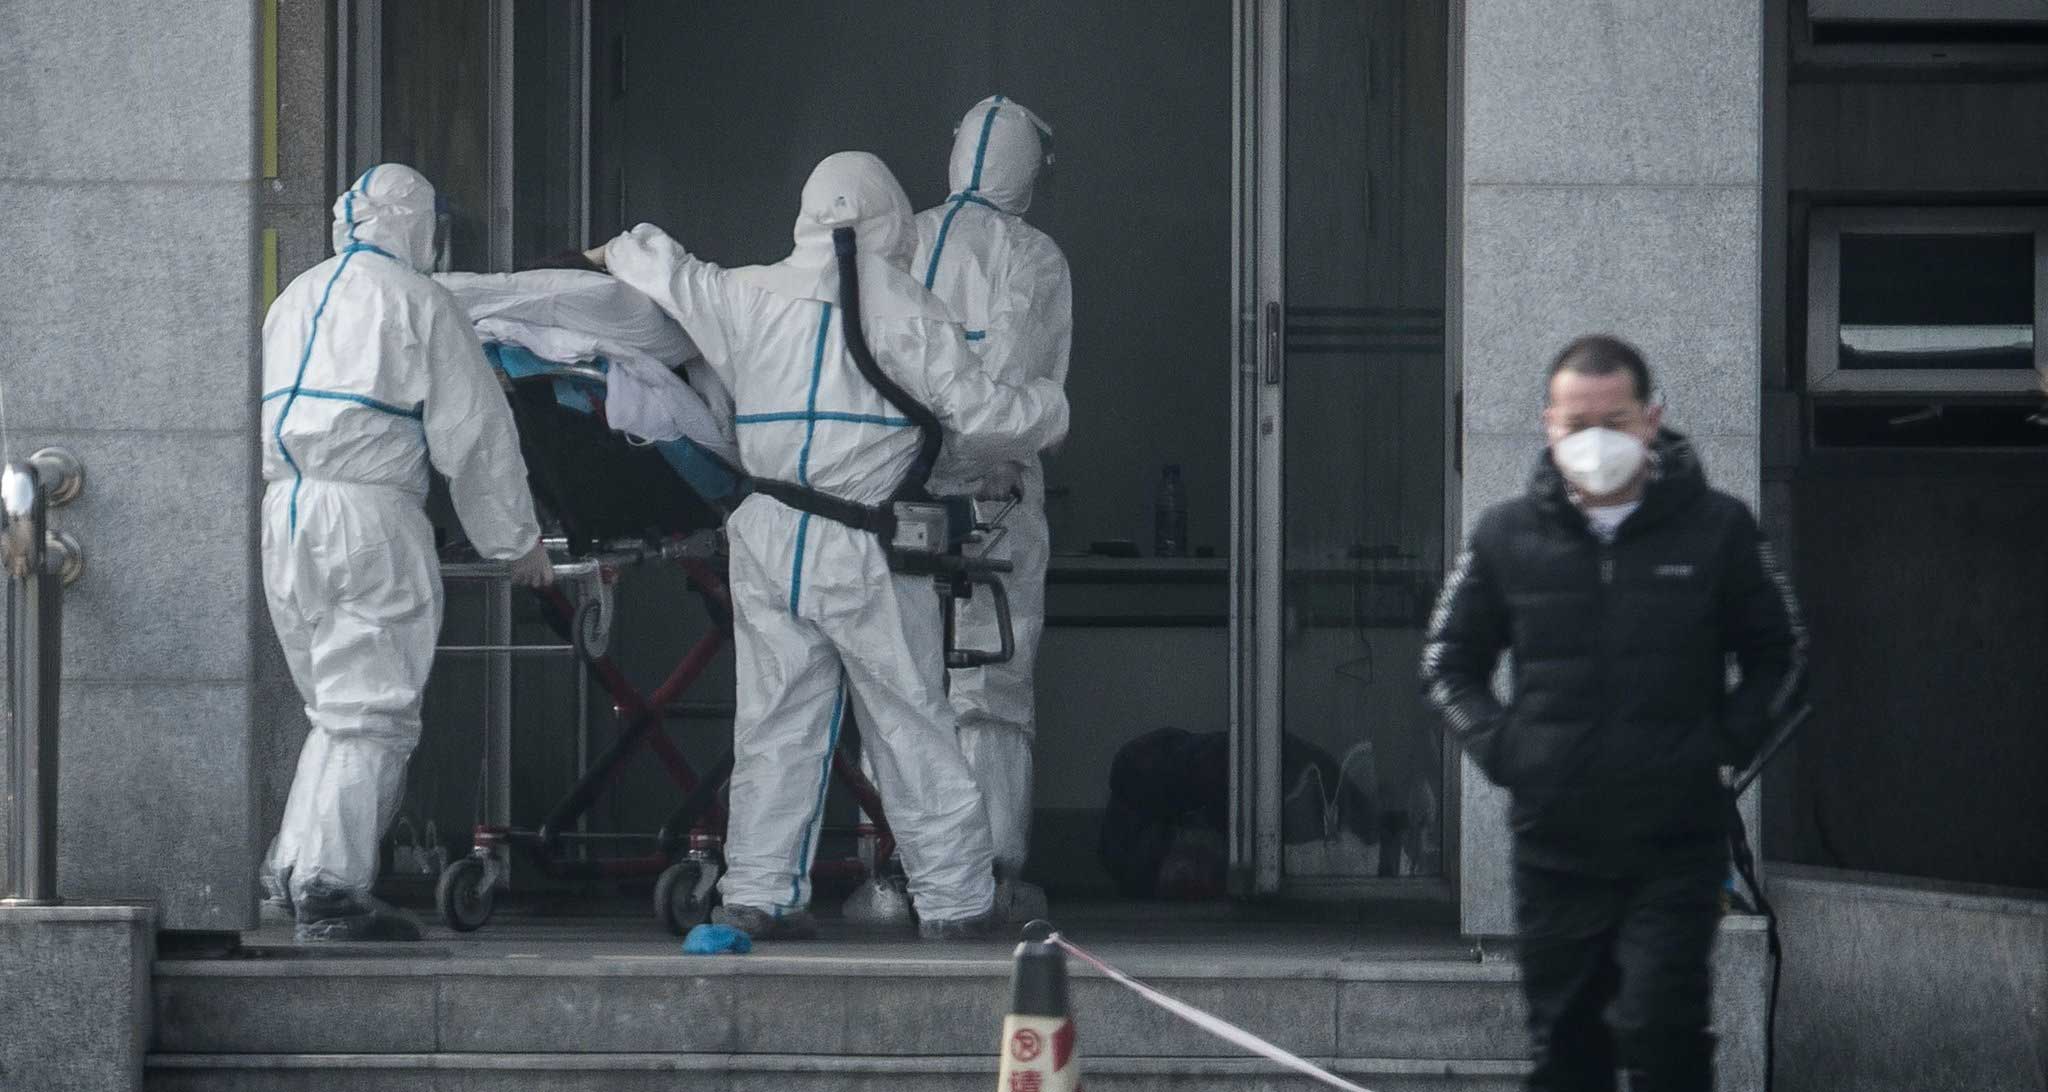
x,y
1638,945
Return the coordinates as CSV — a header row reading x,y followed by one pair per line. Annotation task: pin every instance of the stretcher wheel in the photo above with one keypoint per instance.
x,y
675,897
586,630
465,894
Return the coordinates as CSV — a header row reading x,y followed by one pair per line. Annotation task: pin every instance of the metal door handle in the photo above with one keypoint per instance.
x,y
1272,343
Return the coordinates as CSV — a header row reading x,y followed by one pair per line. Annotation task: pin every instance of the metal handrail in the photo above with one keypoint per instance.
x,y
39,564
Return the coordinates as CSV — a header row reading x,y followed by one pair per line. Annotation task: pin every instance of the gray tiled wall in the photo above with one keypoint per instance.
x,y
128,156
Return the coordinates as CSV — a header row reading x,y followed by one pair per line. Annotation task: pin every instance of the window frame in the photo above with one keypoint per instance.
x,y
1827,225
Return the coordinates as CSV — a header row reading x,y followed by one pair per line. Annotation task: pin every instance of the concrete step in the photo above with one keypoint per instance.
x,y
773,1073
596,1006
896,1004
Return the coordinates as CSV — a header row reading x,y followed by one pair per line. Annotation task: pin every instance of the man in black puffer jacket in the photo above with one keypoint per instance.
x,y
1622,585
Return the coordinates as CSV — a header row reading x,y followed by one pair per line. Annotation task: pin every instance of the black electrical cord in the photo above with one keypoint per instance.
x,y
1745,866
931,432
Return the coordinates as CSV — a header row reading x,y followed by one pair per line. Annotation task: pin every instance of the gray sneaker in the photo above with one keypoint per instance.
x,y
980,927
763,925
326,915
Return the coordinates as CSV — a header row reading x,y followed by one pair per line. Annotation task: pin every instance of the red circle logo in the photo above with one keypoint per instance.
x,y
1026,1045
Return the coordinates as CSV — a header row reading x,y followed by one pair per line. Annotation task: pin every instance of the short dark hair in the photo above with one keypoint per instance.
x,y
1601,354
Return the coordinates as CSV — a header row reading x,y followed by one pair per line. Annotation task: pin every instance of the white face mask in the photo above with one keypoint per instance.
x,y
1600,461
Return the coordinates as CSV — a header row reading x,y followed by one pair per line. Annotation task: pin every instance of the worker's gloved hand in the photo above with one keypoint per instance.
x,y
1005,482
534,570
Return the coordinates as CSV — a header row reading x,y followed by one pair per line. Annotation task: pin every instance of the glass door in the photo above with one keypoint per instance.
x,y
489,99
455,89
1341,407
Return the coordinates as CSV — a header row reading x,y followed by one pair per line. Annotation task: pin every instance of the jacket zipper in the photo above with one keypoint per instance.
x,y
1603,727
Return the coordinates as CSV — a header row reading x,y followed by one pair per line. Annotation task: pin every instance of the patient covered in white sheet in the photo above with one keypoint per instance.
x,y
570,316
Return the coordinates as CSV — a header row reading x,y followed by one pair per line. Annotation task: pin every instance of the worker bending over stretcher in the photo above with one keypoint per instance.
x,y
822,626
371,373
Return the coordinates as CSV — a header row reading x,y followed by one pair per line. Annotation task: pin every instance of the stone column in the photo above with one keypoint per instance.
x,y
128,153
1612,182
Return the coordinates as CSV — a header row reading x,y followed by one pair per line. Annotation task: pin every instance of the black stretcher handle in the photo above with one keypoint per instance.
x,y
968,657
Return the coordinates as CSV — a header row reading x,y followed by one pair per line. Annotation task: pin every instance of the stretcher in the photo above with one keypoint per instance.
x,y
619,504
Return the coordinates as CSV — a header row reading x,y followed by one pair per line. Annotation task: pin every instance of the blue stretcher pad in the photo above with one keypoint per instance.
x,y
706,474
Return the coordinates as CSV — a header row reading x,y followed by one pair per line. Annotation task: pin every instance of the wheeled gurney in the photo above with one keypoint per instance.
x,y
620,504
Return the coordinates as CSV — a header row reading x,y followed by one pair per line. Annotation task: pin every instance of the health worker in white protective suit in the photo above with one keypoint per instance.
x,y
821,623
371,373
1008,284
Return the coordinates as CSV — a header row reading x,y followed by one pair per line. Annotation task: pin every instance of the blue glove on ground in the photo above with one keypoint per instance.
x,y
717,940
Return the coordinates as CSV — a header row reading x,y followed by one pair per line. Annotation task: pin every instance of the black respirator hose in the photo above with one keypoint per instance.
x,y
913,487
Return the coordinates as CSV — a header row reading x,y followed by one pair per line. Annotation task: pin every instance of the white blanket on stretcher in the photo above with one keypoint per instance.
x,y
570,316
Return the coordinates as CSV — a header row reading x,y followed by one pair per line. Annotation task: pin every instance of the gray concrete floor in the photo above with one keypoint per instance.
x,y
1143,938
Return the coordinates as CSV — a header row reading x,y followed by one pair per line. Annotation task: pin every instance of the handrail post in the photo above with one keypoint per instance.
x,y
38,565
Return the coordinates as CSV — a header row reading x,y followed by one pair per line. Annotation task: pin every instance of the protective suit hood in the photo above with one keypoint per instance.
x,y
391,207
853,189
997,152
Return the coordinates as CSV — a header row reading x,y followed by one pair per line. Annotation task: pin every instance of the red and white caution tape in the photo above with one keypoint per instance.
x,y
1214,1025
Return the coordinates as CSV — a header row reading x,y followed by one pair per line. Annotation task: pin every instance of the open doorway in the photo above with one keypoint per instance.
x,y
556,125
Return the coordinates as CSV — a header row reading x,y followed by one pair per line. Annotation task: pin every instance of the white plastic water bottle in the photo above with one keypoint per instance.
x,y
1170,515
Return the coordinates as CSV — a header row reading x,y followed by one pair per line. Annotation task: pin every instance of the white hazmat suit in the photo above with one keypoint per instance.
x,y
371,373
822,625
1008,283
